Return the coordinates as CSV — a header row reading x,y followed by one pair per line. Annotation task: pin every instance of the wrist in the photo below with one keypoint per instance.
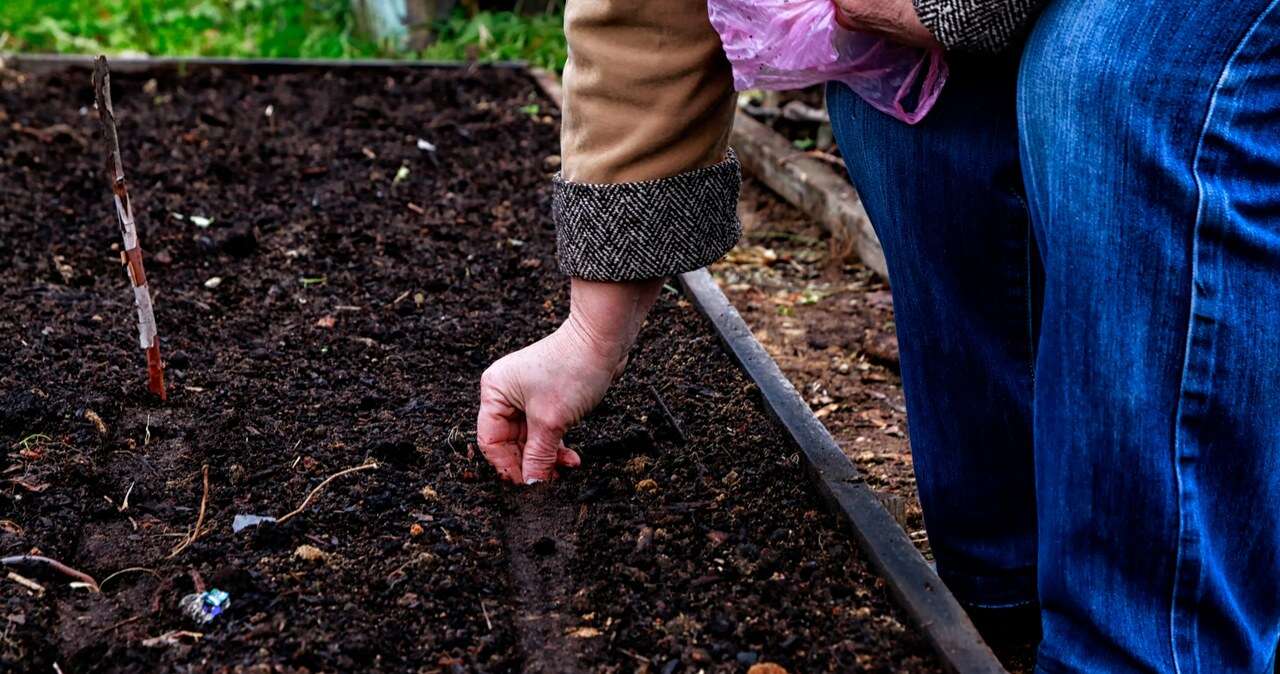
x,y
606,317
897,20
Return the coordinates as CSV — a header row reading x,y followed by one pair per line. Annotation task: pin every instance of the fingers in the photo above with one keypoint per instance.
x,y
568,458
620,369
541,453
499,426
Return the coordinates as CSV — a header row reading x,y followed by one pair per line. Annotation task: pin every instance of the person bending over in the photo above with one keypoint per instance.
x,y
1083,239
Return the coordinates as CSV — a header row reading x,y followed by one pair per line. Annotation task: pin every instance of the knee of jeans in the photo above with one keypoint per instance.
x,y
1073,83
1080,108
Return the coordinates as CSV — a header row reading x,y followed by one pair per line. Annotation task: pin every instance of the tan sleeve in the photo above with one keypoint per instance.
x,y
648,186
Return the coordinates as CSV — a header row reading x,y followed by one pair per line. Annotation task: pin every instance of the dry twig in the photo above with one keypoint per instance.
x,y
20,560
121,572
132,255
195,533
320,486
120,624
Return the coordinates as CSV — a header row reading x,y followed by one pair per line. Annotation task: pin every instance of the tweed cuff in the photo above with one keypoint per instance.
x,y
650,229
977,25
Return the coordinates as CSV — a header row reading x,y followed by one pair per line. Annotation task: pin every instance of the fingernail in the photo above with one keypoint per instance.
x,y
532,480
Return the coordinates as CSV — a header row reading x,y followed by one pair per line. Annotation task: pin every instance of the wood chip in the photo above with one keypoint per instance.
x,y
170,638
26,582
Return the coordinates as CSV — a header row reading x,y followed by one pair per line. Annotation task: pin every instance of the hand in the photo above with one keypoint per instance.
x,y
531,398
896,20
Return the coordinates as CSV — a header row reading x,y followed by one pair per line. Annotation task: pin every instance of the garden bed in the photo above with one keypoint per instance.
x,y
362,285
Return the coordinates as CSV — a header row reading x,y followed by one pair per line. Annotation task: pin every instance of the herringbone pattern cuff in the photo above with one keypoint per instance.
x,y
643,230
977,25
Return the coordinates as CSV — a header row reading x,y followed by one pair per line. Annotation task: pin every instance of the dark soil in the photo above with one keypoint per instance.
x,y
354,313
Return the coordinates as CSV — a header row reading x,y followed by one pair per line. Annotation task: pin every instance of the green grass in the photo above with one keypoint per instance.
x,y
261,28
501,36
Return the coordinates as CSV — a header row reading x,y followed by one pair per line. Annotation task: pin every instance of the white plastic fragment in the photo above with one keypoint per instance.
x,y
242,522
213,282
426,146
200,221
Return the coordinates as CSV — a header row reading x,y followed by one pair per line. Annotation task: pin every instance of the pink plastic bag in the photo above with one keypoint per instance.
x,y
792,44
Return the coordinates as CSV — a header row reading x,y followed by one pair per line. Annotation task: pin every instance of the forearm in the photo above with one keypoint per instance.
x,y
894,19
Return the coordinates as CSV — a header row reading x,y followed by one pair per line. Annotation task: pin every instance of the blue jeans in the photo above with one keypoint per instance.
x,y
1084,246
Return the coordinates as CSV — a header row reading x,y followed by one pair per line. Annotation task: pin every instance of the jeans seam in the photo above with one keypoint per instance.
x,y
1183,565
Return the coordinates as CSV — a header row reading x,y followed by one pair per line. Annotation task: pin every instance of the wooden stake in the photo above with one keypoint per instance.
x,y
147,335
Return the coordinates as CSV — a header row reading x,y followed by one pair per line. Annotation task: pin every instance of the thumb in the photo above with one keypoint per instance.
x,y
541,452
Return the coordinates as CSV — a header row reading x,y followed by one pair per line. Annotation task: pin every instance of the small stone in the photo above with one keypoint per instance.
x,y
429,494
213,282
644,539
309,553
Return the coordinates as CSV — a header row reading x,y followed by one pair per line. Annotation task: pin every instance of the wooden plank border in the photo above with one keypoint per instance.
x,y
811,186
53,63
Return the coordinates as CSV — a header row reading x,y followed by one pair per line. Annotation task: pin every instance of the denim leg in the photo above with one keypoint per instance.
x,y
946,200
1151,150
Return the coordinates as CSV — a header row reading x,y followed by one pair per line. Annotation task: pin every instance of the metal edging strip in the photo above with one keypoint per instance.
x,y
913,583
